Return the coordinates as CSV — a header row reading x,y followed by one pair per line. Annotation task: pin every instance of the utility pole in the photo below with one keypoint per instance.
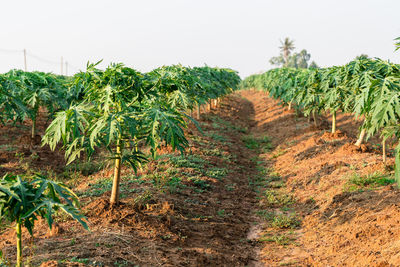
x,y
62,65
66,68
26,68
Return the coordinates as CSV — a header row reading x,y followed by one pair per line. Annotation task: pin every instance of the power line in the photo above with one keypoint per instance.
x,y
10,50
39,58
43,59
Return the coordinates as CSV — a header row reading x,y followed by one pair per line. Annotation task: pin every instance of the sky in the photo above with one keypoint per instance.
x,y
239,34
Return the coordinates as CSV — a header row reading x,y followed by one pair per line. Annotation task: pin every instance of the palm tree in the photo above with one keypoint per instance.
x,y
286,47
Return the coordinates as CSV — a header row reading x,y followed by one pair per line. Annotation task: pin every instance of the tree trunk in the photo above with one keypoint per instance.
x,y
117,176
33,133
334,122
361,138
198,111
315,118
19,244
384,151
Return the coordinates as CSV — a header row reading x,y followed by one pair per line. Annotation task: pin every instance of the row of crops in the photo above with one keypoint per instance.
x,y
367,88
128,113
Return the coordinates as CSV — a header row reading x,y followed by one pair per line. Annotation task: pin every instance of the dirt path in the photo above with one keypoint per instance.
x,y
323,202
193,210
260,187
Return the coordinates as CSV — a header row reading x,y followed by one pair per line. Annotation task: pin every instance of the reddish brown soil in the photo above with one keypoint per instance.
x,y
338,228
184,228
218,226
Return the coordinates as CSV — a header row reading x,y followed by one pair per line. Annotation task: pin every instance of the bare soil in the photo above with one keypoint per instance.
x,y
216,221
339,227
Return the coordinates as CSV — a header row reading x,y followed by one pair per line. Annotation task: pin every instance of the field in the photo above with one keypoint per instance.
x,y
259,185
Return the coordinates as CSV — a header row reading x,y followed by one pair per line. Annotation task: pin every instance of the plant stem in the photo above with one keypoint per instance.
x,y
290,105
19,244
361,138
117,176
384,151
198,111
315,118
334,122
33,133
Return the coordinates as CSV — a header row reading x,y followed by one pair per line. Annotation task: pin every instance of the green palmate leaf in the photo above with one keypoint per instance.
x,y
397,44
121,106
23,201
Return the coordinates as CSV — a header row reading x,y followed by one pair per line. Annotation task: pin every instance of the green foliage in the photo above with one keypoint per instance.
x,y
275,198
125,111
365,87
284,221
397,44
280,239
23,201
369,181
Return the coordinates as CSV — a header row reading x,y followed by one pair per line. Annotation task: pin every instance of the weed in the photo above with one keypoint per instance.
x,y
230,187
370,181
252,142
279,152
266,215
188,161
97,189
174,184
217,173
213,152
84,261
143,199
274,198
282,239
9,148
284,221
217,137
202,184
87,168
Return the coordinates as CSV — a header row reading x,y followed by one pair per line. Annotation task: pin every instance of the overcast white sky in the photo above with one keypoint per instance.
x,y
240,34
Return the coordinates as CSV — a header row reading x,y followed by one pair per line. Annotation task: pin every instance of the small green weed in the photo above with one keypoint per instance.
x,y
217,173
202,184
252,142
284,221
265,214
370,181
188,161
282,239
276,198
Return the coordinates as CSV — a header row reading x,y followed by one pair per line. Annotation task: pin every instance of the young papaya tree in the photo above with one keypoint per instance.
x,y
119,109
35,90
334,94
24,201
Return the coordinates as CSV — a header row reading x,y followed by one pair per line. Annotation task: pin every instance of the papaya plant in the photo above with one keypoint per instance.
x,y
118,112
23,201
12,108
30,91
